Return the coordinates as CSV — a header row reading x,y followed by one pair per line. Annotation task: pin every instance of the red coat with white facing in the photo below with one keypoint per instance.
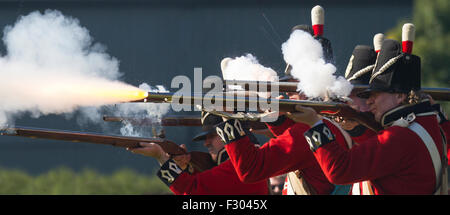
x,y
395,161
286,152
219,180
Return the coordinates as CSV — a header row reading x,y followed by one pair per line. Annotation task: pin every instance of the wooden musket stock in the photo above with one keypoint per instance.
x,y
199,160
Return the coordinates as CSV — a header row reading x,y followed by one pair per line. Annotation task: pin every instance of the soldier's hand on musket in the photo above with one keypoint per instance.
x,y
153,150
182,160
305,115
346,124
438,108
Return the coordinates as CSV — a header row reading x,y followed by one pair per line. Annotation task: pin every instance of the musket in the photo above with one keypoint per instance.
x,y
176,120
200,161
439,94
335,109
184,120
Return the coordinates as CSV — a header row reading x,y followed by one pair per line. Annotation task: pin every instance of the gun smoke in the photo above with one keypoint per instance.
x,y
247,67
52,66
316,77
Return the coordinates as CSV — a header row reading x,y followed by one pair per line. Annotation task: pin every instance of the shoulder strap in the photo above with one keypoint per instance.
x,y
362,188
432,149
355,189
299,185
444,186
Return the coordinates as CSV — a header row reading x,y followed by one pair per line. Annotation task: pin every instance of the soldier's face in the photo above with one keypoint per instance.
x,y
358,103
381,102
296,96
214,144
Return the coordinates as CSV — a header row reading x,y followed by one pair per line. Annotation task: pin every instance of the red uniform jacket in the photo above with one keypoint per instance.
x,y
395,161
364,134
446,128
220,180
445,125
285,153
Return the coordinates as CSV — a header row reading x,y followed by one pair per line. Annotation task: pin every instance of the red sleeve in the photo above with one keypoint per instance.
x,y
377,156
390,153
277,128
366,135
220,180
278,156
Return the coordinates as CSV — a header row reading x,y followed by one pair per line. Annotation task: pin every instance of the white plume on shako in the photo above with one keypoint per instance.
x,y
52,66
316,77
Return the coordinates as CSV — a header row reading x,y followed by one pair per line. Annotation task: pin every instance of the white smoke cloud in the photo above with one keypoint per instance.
x,y
316,77
142,110
52,66
247,67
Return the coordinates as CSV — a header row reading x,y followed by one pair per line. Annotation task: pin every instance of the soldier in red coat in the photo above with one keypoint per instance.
x,y
219,180
358,72
407,156
275,157
288,152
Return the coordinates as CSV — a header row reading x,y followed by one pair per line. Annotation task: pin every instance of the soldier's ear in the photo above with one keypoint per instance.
x,y
400,97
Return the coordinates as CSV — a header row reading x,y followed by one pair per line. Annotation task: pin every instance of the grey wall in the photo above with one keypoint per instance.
x,y
157,40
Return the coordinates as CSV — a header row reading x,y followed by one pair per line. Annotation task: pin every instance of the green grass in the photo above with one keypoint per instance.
x,y
64,181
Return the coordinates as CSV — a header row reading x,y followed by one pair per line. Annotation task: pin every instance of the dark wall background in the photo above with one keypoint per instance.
x,y
157,40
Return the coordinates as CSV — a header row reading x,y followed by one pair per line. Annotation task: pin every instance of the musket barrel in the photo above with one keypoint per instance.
x,y
173,121
439,94
113,140
165,121
262,86
284,105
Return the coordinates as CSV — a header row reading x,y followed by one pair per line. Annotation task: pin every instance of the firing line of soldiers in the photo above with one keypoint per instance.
x,y
326,156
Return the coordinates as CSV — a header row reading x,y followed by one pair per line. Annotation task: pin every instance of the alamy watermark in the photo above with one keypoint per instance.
x,y
209,95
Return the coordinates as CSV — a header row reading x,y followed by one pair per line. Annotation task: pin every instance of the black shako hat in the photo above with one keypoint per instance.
x,y
326,47
209,122
360,65
287,72
395,71
306,28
